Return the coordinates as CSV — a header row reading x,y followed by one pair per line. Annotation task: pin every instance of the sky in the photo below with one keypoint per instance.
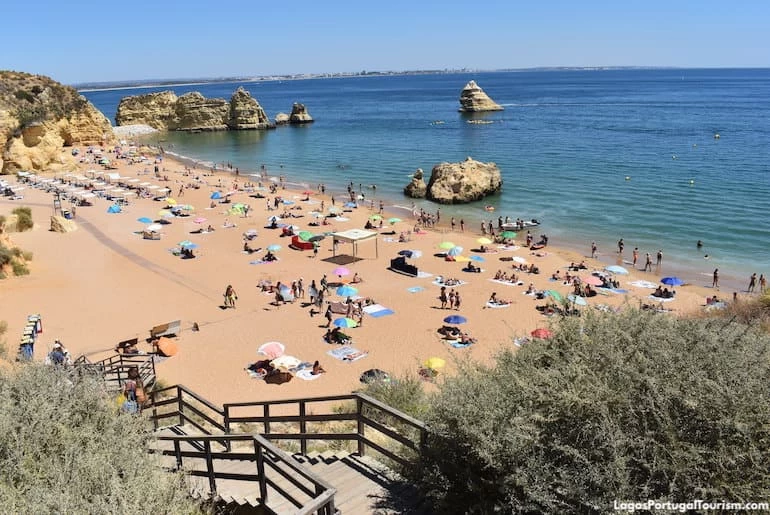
x,y
88,41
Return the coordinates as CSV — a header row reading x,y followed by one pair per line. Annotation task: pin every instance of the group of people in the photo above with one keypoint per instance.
x,y
663,293
504,277
450,300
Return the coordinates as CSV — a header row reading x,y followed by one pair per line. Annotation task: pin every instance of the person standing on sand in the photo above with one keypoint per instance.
x,y
483,228
648,262
442,297
762,283
594,248
457,301
452,223
462,225
715,280
752,283
230,296
636,255
328,315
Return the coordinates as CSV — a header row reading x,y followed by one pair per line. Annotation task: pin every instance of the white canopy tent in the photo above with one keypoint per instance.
x,y
356,236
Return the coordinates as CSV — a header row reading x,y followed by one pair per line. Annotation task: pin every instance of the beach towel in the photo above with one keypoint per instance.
x,y
611,290
346,353
307,375
508,248
457,345
260,262
507,283
644,284
520,341
477,271
377,311
422,275
659,299
496,306
415,289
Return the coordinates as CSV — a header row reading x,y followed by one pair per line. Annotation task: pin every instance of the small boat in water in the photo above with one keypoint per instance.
x,y
518,225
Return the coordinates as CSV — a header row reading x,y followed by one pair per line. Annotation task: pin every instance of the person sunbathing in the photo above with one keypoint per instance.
x,y
269,257
449,331
497,302
317,369
466,339
530,289
556,276
356,279
472,268
355,355
500,276
337,336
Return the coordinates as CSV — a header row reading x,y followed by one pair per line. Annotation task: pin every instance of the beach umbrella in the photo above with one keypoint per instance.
x,y
308,192
375,217
340,271
405,253
274,248
191,246
462,259
144,220
672,281
346,291
507,235
286,362
455,251
335,210
519,260
393,220
345,322
484,241
555,295
615,269
271,350
199,220
153,227
287,202
434,363
350,204
170,202
477,258
184,243
166,214
455,319
578,301
305,235
592,280
446,245
317,237
216,196
542,333
317,215
188,207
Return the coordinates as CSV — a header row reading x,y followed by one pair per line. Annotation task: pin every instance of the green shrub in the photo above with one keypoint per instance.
x,y
2,223
405,394
27,255
19,268
628,406
16,251
24,219
6,255
64,449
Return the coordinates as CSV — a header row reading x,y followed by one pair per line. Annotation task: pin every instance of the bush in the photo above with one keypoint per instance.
x,y
19,268
64,449
6,255
629,406
404,394
24,219
27,255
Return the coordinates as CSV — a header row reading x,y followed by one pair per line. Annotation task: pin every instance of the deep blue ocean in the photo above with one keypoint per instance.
x,y
595,155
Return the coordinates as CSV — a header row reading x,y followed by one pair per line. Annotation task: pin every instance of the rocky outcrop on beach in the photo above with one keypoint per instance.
x,y
193,112
474,100
281,119
39,117
62,225
416,187
459,183
299,114
246,113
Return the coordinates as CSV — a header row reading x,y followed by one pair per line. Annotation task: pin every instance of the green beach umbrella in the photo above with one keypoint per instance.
x,y
393,220
185,243
555,295
508,235
375,217
446,245
305,235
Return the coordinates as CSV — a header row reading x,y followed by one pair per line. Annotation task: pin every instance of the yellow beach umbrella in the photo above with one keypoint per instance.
x,y
484,241
462,259
170,202
434,363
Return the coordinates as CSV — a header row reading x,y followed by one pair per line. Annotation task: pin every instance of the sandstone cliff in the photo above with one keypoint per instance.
x,y
38,117
299,114
474,100
192,112
459,183
417,187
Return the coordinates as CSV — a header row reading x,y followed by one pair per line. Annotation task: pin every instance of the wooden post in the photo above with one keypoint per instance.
x,y
154,412
226,421
302,428
210,468
178,454
266,415
361,427
179,407
261,471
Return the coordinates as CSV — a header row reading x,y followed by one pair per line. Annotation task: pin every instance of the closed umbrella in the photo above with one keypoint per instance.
x,y
346,291
345,322
455,319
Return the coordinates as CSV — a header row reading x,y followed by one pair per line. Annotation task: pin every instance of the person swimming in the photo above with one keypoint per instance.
x,y
699,244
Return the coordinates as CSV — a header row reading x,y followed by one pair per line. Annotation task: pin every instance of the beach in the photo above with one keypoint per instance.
x,y
104,283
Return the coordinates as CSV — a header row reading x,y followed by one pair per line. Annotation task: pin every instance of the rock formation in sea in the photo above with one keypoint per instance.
x,y
299,114
474,100
459,183
193,112
416,187
281,119
38,117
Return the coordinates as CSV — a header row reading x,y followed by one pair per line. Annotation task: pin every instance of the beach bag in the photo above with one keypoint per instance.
x,y
130,405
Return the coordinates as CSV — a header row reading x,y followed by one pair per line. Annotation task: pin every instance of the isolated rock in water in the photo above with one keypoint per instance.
x,y
474,100
39,116
61,224
299,114
281,119
246,113
158,110
459,183
417,187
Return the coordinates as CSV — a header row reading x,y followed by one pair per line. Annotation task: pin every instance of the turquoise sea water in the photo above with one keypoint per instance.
x,y
565,144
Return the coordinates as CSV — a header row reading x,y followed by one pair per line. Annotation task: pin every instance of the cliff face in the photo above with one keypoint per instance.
x,y
38,117
474,100
299,114
193,111
459,183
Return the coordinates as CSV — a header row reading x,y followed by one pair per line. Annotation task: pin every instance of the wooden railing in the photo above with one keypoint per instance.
x,y
179,404
114,370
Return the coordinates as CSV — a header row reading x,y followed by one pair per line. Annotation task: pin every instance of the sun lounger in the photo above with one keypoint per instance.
x,y
168,329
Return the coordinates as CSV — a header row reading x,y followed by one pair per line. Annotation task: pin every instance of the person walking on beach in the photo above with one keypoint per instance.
x,y
715,280
451,298
230,296
648,263
636,256
452,223
300,289
442,297
483,228
752,283
328,315
659,258
462,225
457,301
594,248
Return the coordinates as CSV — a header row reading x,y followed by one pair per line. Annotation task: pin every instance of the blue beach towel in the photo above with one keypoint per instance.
x,y
415,289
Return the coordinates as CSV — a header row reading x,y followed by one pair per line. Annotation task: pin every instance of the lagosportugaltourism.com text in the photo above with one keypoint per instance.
x,y
681,507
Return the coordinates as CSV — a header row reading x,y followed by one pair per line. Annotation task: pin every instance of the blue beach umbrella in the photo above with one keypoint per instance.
x,y
288,202
346,291
191,246
672,281
578,301
477,258
216,196
455,251
455,319
345,322
273,248
350,204
144,220
615,269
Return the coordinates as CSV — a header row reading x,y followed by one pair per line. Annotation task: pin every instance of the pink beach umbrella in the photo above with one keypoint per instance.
x,y
199,220
340,271
271,350
592,280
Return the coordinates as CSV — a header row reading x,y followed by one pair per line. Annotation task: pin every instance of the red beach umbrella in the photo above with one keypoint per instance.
x,y
542,333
